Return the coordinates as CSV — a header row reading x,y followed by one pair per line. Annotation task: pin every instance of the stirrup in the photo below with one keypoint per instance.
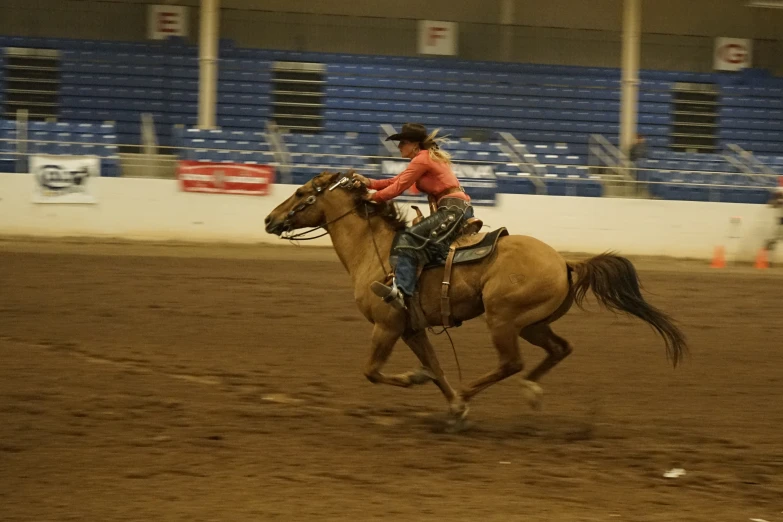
x,y
389,294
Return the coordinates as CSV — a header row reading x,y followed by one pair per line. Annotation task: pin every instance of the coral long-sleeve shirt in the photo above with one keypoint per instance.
x,y
430,177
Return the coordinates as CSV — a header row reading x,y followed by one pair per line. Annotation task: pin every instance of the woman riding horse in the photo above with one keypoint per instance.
x,y
521,289
427,241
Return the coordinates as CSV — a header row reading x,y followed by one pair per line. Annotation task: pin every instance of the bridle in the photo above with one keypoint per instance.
x,y
343,182
310,200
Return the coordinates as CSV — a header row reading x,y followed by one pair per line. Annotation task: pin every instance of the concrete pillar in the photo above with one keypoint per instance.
x,y
506,29
207,62
632,21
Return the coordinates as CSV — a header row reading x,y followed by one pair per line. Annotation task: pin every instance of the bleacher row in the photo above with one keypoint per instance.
x,y
696,161
311,154
541,105
2,81
59,138
99,86
667,175
118,80
708,177
751,116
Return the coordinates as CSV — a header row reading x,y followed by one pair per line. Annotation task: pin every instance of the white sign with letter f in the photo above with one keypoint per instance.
x,y
437,37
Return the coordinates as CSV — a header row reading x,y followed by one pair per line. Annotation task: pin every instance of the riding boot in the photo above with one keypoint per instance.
x,y
390,294
405,268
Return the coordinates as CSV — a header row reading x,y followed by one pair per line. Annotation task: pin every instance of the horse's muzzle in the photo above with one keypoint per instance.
x,y
273,227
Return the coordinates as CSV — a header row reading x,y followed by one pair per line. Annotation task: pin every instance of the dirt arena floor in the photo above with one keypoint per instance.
x,y
141,382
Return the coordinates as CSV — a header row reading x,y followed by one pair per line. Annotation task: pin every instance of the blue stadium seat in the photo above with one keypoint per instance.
x,y
578,171
555,186
591,189
515,184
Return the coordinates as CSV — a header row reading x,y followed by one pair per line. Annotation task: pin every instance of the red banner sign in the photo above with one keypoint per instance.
x,y
225,178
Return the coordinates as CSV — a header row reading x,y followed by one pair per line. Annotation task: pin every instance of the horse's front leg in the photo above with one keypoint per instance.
x,y
383,340
422,347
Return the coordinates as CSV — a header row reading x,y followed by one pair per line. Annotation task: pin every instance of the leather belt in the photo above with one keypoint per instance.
x,y
434,199
448,191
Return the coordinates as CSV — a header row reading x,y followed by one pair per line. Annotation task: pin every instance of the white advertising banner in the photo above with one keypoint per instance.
x,y
64,179
166,20
437,38
732,54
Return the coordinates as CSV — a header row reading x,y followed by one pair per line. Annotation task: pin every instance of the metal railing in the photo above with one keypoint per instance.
x,y
745,160
635,180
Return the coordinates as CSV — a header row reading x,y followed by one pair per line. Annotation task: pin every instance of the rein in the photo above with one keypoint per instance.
x,y
298,237
343,182
374,243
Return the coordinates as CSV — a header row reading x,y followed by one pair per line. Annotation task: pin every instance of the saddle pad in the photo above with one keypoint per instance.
x,y
474,247
480,250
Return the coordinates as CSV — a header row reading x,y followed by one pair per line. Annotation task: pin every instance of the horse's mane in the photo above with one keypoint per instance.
x,y
387,210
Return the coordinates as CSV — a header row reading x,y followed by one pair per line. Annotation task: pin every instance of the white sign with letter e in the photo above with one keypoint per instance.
x,y
732,54
437,37
166,20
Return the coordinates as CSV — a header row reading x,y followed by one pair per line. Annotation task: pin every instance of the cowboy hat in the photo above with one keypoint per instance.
x,y
415,132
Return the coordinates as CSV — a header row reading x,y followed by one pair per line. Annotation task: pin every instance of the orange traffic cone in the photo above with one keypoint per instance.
x,y
762,261
719,258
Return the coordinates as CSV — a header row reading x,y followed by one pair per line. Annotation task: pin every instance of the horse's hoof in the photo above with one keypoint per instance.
x,y
458,410
533,393
455,427
458,414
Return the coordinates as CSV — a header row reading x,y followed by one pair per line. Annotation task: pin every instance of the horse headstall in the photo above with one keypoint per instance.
x,y
345,181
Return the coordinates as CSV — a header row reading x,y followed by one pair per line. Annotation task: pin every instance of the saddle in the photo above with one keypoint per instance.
x,y
470,246
466,249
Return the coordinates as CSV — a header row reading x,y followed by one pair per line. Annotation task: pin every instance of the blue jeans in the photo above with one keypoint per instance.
x,y
405,274
417,245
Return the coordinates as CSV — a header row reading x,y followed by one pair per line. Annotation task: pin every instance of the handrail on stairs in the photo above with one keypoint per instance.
x,y
745,161
280,150
608,156
511,147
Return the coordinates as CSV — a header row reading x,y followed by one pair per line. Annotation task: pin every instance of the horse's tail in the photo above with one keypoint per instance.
x,y
615,283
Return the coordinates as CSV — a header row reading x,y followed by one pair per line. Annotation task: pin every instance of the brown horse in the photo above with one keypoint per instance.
x,y
522,287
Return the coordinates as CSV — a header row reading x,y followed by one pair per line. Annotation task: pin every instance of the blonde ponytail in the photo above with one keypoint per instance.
x,y
432,145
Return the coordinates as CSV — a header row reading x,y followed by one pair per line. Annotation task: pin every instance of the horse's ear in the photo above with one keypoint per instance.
x,y
325,177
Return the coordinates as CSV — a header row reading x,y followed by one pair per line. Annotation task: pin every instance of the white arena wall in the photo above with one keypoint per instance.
x,y
156,209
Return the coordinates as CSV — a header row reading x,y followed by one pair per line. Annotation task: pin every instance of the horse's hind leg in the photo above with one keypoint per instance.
x,y
505,328
505,339
556,348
